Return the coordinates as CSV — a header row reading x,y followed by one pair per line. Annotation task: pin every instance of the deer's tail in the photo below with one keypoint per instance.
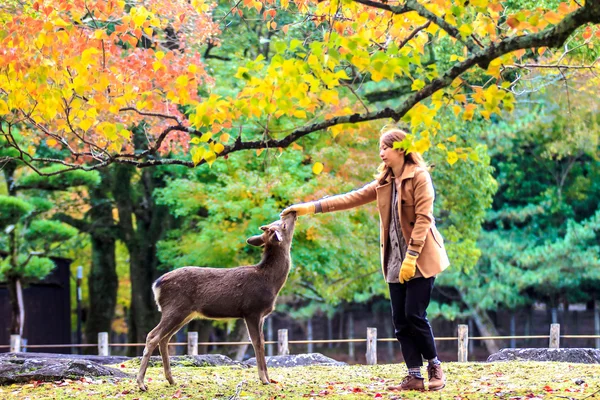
x,y
156,290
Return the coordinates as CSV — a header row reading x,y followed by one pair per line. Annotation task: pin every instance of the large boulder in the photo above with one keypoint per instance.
x,y
17,369
297,360
104,360
575,355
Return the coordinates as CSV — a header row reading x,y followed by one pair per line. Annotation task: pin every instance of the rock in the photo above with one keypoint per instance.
x,y
104,360
202,360
17,369
297,360
575,355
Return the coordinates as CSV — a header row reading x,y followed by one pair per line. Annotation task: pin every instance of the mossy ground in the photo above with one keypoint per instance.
x,y
504,380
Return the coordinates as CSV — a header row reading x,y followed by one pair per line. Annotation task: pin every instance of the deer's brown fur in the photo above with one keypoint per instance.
x,y
247,292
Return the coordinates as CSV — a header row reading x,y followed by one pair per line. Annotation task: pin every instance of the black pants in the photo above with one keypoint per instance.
x,y
409,314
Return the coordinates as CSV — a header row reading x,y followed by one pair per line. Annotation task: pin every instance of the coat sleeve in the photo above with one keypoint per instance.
x,y
423,197
355,198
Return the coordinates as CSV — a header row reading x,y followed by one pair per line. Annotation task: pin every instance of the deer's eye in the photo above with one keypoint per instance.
x,y
284,227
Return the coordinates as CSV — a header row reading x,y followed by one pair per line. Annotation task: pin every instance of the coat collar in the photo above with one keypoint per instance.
x,y
407,173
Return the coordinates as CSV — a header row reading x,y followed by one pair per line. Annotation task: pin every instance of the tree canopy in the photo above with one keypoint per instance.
x,y
78,76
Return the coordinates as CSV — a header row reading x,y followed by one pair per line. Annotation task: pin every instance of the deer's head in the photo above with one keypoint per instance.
x,y
278,233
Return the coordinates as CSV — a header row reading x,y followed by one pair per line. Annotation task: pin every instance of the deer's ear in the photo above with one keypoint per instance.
x,y
278,236
264,228
257,240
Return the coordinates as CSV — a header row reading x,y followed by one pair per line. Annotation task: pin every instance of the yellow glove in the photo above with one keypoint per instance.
x,y
300,209
408,269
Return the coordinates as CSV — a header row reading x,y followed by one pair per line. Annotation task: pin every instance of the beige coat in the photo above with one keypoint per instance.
x,y
415,202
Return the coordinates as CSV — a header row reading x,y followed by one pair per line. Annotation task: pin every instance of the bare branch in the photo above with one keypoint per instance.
x,y
149,114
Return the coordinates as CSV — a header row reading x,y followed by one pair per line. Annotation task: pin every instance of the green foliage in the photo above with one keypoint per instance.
x,y
40,204
12,209
31,268
541,238
47,232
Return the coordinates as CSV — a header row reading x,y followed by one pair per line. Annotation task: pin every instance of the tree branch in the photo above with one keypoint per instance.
x,y
552,37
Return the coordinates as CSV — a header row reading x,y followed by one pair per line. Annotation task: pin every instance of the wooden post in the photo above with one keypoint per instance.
x,y
15,343
371,346
269,336
513,330
103,344
471,342
597,322
329,331
463,343
555,336
309,335
192,343
282,342
351,336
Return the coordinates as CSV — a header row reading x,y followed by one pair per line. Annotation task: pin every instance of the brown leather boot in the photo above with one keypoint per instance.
x,y
410,382
437,379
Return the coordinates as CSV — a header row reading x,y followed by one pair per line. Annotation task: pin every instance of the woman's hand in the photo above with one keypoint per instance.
x,y
300,209
408,268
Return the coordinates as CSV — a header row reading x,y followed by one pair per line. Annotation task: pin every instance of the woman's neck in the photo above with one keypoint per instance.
x,y
397,169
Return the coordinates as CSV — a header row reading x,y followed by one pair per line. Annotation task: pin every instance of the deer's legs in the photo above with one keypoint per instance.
x,y
255,330
165,326
163,346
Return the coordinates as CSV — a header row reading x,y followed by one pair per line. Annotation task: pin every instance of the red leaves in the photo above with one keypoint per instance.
x,y
177,394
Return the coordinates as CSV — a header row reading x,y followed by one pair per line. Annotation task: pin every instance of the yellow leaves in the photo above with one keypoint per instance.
x,y
197,155
417,85
330,97
139,15
217,148
465,30
4,107
422,145
452,157
299,114
86,124
100,34
494,67
317,168
181,81
469,112
156,65
108,130
242,73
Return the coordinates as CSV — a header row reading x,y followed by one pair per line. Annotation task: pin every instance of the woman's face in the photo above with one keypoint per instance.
x,y
391,157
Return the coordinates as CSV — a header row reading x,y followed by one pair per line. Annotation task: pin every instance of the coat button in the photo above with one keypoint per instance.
x,y
403,201
412,224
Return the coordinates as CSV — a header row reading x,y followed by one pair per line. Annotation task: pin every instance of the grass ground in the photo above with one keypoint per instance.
x,y
504,380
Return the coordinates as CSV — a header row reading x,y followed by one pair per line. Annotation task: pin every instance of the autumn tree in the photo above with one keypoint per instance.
x,y
78,75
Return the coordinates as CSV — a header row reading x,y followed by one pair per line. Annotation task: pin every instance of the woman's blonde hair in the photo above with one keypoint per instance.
x,y
388,138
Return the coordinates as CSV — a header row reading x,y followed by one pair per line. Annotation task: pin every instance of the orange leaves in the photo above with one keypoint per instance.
x,y
75,78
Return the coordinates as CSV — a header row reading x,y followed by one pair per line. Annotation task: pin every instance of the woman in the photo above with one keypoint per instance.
x,y
412,250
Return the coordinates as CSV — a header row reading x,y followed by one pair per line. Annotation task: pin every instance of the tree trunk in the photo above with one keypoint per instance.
x,y
486,328
15,293
141,238
102,279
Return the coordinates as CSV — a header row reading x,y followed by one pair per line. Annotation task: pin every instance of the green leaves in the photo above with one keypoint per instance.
x,y
12,210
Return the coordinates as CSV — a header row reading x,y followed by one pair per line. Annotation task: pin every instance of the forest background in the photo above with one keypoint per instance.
x,y
137,138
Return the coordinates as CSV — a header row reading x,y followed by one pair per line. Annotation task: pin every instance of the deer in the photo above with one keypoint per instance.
x,y
246,292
